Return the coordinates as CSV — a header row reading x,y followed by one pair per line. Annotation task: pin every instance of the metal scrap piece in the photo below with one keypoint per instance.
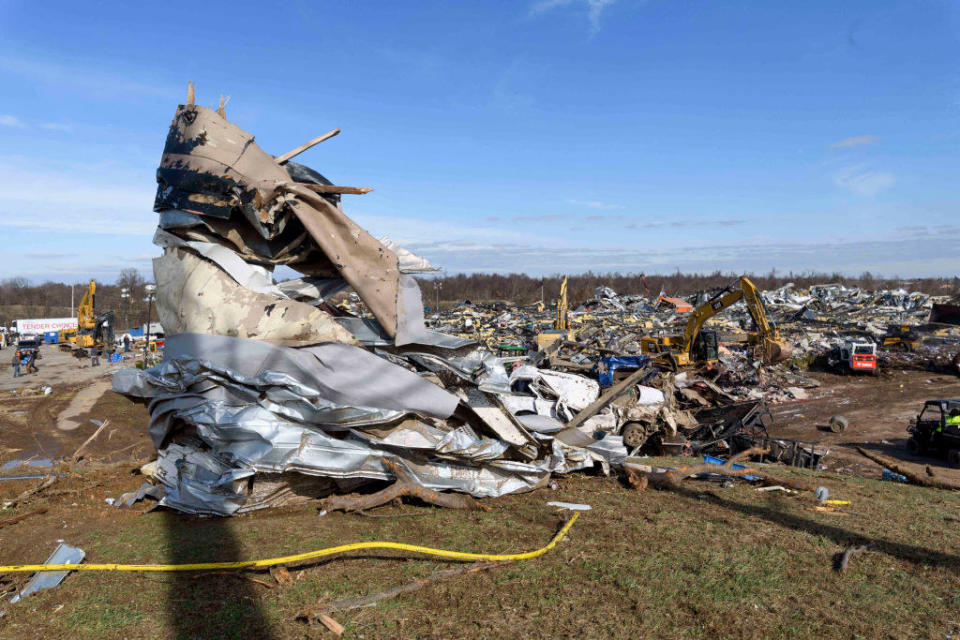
x,y
63,554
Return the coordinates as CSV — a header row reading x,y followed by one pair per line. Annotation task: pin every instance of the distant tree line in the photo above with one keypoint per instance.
x,y
523,289
21,300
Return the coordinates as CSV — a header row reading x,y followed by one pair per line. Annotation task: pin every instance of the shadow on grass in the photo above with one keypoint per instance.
x,y
204,605
896,449
841,536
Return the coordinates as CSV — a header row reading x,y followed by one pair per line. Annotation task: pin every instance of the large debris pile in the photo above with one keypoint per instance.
x,y
924,329
268,393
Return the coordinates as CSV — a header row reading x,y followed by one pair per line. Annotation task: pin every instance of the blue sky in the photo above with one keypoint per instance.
x,y
544,136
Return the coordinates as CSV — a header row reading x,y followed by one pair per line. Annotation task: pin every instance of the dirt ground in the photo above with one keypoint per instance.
x,y
879,409
36,428
54,368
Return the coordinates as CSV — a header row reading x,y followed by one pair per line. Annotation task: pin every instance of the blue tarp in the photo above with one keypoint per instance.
x,y
136,333
50,337
606,366
712,460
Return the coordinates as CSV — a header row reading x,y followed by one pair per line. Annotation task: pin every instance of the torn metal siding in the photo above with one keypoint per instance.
x,y
263,384
214,169
194,296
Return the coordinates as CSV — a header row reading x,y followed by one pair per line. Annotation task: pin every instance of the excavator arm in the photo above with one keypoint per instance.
x,y
774,349
561,321
706,311
86,312
755,306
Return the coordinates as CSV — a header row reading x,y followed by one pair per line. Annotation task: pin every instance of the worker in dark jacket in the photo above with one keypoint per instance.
x,y
16,364
31,362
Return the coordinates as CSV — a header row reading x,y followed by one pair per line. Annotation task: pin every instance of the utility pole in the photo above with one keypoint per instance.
x,y
125,297
150,289
437,285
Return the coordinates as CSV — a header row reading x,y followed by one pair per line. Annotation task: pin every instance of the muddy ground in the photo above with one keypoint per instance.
x,y
879,409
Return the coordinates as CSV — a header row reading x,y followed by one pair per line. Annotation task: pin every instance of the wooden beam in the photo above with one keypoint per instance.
x,y
332,188
306,145
612,394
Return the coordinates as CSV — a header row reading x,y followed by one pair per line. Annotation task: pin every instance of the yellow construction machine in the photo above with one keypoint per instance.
x,y
700,346
93,331
561,325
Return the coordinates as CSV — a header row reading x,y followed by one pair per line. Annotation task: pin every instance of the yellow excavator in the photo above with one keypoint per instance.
x,y
69,337
700,346
561,325
93,331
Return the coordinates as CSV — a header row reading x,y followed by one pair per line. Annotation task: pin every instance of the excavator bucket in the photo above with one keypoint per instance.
x,y
775,351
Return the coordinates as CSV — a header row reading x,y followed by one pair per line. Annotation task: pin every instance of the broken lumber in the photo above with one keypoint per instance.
x,y
607,398
318,610
306,145
933,482
22,516
406,485
49,480
332,188
335,627
674,477
77,454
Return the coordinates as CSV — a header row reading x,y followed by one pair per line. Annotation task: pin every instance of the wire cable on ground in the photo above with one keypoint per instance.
x,y
301,557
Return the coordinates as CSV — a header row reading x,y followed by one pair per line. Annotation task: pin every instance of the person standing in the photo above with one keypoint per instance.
x,y
16,364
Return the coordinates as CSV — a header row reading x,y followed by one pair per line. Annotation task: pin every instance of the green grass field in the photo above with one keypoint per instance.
x,y
706,562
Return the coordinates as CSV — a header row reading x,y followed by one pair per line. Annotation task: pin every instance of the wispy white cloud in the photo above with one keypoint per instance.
x,y
864,181
8,120
853,256
11,121
594,9
855,141
546,217
595,204
86,79
72,199
49,256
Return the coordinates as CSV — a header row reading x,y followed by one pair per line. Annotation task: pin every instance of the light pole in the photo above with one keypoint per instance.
x,y
150,289
125,297
437,285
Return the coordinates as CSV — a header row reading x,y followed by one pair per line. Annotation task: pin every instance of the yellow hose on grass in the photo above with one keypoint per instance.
x,y
300,557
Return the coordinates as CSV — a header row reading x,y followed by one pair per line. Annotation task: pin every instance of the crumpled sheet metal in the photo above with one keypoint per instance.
x,y
334,385
213,168
250,276
253,407
573,391
63,554
195,296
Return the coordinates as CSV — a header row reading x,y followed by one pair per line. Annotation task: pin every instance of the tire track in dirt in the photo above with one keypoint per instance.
x,y
82,403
